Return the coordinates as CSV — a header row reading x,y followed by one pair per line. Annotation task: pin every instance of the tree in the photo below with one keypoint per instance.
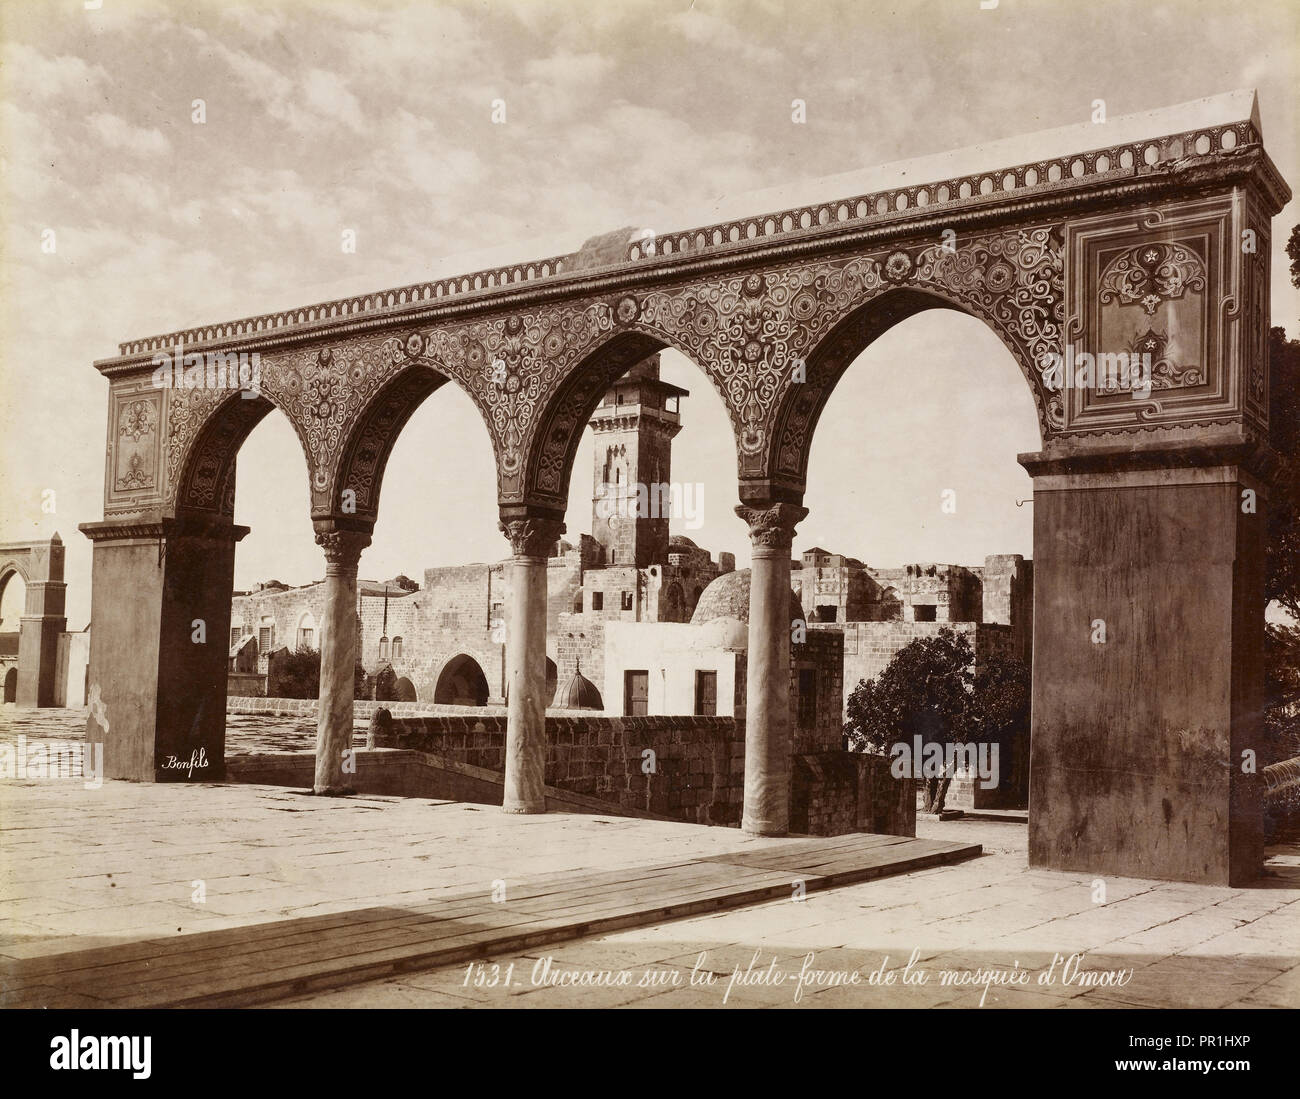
x,y
295,673
932,689
1283,545
1281,693
925,690
404,582
1293,252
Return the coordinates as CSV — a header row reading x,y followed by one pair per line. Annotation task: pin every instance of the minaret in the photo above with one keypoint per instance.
x,y
634,428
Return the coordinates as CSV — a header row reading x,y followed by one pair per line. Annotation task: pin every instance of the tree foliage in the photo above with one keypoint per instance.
x,y
932,689
1283,548
295,673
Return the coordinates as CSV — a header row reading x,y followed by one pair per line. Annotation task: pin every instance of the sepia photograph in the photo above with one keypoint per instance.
x,y
614,504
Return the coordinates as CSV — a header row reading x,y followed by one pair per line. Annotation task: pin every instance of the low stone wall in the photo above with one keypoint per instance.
x,y
246,686
684,768
836,792
385,771
363,708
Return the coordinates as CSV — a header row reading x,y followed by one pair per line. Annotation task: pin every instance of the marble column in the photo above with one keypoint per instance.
x,y
767,688
338,656
525,778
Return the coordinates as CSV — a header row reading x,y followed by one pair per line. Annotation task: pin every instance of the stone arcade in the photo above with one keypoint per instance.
x,y
1101,237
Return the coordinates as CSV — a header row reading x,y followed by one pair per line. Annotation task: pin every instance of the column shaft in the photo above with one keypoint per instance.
x,y
338,658
525,775
767,699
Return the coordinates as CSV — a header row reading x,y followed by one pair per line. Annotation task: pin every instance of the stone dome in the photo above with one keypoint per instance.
x,y
680,541
578,693
728,597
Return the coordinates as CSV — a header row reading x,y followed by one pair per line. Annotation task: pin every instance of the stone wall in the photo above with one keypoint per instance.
x,y
870,646
245,685
837,792
696,772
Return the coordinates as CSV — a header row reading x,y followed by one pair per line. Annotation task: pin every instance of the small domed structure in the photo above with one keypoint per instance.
x,y
681,542
578,693
728,597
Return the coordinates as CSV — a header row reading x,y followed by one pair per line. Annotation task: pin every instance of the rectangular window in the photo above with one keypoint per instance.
x,y
264,639
598,601
924,612
306,638
627,600
235,634
706,694
636,693
807,697
397,648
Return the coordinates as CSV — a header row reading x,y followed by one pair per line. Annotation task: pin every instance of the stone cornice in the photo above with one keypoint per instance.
x,y
152,526
1043,200
1227,449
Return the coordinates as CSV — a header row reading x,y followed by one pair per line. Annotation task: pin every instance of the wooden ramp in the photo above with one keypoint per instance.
x,y
271,961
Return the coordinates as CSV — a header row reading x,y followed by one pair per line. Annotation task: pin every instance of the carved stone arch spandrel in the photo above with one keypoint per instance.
x,y
1012,281
562,422
206,429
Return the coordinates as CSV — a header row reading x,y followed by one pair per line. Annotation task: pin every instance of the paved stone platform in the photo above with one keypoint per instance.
x,y
150,895
1184,945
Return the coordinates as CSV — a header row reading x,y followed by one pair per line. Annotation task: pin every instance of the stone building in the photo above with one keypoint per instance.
x,y
445,641
699,668
878,611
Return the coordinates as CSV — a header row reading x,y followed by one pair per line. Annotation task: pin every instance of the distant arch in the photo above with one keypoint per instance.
x,y
11,684
461,683
404,691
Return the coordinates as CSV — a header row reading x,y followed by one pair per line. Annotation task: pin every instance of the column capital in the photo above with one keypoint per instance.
x,y
772,526
342,548
532,537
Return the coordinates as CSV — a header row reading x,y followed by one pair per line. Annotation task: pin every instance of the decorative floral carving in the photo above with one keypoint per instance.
x,y
772,526
1149,274
532,537
138,420
342,549
136,475
1165,373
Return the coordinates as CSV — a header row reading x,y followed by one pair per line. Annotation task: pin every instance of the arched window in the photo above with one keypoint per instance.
x,y
397,648
383,648
307,631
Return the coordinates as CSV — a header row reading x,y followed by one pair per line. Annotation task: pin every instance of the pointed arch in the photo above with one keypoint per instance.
x,y
550,458
206,475
802,404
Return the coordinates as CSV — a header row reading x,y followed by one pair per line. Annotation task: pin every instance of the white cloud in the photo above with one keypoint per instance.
x,y
703,29
330,98
28,73
117,133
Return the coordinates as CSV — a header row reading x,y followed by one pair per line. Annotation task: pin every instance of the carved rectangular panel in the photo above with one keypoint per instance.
x,y
1150,293
134,477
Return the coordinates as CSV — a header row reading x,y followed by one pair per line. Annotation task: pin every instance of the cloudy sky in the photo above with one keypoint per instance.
x,y
377,118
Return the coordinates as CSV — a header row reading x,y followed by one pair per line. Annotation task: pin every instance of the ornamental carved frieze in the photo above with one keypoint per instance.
x,y
537,374
756,335
1014,281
